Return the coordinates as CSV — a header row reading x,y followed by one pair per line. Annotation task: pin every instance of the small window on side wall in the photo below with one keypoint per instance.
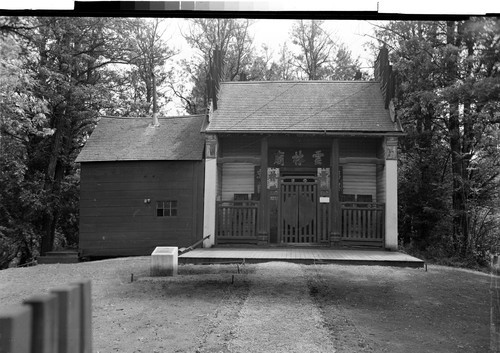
x,y
166,208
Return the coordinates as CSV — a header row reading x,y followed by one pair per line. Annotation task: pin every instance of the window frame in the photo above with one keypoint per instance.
x,y
169,208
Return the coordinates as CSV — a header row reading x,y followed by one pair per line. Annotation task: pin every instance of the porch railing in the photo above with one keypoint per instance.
x,y
363,222
237,221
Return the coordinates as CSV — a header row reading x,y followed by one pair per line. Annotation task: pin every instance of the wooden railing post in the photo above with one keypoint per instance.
x,y
363,221
85,288
263,211
15,329
60,322
45,323
335,211
69,302
237,221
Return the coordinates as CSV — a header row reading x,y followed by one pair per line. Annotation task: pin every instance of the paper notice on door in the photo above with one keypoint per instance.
x,y
324,199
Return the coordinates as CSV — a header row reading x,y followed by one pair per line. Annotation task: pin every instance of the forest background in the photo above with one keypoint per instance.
x,y
58,75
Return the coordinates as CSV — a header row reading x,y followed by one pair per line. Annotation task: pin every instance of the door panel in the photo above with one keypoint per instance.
x,y
298,211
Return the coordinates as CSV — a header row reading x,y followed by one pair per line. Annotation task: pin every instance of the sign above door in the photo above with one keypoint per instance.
x,y
299,157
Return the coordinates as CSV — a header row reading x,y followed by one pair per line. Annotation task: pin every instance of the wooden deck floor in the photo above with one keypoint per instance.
x,y
300,255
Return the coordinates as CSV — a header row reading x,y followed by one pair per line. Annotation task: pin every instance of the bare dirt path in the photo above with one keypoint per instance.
x,y
279,314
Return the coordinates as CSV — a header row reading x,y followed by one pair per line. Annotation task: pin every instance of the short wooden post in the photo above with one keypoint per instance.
x,y
85,316
45,337
15,329
69,318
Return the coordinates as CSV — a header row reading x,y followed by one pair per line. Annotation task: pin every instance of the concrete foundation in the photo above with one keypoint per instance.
x,y
164,261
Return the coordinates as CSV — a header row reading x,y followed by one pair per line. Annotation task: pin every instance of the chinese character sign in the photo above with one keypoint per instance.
x,y
324,178
299,157
272,178
279,158
318,155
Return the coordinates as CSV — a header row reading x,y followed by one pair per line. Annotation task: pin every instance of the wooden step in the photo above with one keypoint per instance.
x,y
59,257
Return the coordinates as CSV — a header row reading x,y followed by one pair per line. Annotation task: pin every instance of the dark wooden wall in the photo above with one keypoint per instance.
x,y
249,146
359,147
231,146
115,220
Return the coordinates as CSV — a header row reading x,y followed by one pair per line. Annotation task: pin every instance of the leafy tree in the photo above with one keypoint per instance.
x,y
267,68
448,101
142,77
22,120
72,53
321,56
283,68
188,82
231,37
261,68
344,67
316,48
58,74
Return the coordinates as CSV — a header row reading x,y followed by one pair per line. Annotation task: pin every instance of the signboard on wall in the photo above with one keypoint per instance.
x,y
299,157
273,175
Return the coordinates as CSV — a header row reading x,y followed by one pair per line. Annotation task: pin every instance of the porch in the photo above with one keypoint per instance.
x,y
304,255
294,189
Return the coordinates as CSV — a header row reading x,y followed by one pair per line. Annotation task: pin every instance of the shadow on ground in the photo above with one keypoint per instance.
x,y
384,309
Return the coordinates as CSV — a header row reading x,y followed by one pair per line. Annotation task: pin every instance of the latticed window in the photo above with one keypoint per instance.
x,y
166,208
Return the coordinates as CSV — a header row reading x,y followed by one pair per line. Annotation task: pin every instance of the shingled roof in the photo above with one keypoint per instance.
x,y
301,106
131,139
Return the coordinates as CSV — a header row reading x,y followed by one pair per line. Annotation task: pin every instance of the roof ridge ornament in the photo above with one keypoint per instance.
x,y
392,110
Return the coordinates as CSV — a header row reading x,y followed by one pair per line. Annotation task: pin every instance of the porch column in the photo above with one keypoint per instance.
x,y
210,206
263,215
335,216
391,190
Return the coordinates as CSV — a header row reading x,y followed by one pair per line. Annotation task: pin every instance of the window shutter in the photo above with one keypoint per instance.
x,y
237,178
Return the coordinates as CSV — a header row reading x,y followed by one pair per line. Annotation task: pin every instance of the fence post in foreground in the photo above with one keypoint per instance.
x,y
45,330
86,316
15,329
69,318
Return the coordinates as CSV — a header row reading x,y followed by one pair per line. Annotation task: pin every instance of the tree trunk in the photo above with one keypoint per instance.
x,y
458,200
155,103
53,178
467,149
460,229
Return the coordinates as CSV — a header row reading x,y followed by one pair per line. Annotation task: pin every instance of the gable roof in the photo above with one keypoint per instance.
x,y
301,106
131,139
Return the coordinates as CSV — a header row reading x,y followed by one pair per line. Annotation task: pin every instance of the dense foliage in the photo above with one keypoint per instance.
x,y
449,103
58,75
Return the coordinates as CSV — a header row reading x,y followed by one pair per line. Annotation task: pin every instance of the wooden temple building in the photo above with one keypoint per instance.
x,y
271,164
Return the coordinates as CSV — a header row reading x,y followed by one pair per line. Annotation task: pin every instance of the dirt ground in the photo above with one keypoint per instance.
x,y
272,307
376,309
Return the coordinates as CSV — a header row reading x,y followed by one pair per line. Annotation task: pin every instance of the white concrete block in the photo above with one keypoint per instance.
x,y
164,261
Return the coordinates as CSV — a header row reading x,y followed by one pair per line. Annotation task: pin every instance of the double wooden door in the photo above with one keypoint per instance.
x,y
298,203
